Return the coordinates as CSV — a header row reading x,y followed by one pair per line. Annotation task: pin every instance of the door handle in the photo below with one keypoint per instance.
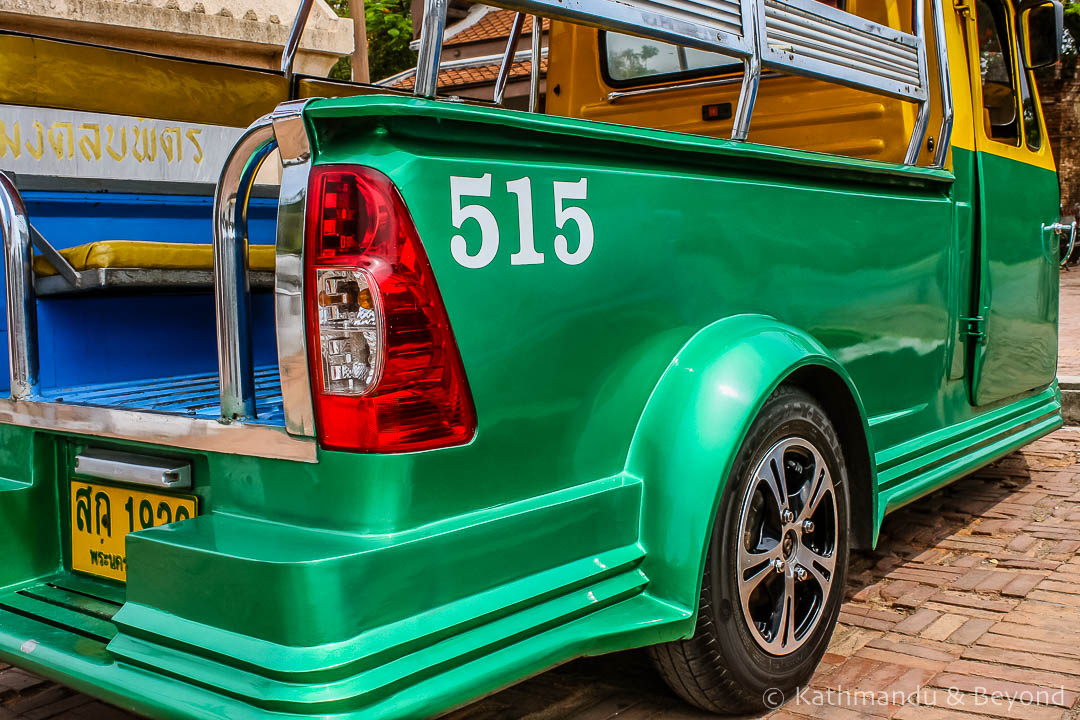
x,y
1060,229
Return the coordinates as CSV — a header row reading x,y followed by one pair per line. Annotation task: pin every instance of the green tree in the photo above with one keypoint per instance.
x,y
389,30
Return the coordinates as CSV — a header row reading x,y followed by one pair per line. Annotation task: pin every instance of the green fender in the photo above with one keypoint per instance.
x,y
693,425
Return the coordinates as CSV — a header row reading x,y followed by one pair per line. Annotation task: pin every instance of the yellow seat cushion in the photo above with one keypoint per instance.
x,y
150,256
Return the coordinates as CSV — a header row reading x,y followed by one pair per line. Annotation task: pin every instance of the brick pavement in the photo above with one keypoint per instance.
x,y
973,590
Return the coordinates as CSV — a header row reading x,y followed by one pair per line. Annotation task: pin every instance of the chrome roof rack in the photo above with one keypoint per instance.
x,y
796,37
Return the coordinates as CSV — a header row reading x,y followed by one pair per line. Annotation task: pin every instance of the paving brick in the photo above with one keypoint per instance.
x,y
1027,676
971,600
1022,659
943,627
1035,694
1062,587
917,622
1009,642
970,631
1021,543
1022,584
987,705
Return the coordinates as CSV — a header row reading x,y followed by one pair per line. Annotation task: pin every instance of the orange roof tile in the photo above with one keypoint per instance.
x,y
494,25
462,77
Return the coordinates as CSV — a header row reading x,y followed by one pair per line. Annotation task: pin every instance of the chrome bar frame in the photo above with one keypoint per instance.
x,y
534,66
19,289
232,297
289,311
922,119
941,50
508,58
288,55
426,83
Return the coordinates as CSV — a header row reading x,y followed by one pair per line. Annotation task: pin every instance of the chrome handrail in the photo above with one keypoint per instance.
x,y
426,82
289,308
508,58
942,51
232,297
537,41
288,55
922,117
19,288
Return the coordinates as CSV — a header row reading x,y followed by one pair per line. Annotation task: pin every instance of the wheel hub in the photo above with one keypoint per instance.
x,y
790,544
787,545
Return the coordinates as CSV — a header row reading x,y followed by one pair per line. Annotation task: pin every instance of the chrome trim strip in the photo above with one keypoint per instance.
x,y
945,78
171,431
508,57
288,55
232,297
289,312
431,40
128,467
19,289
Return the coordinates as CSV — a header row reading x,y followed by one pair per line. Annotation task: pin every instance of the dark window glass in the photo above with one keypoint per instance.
x,y
995,63
1032,134
630,58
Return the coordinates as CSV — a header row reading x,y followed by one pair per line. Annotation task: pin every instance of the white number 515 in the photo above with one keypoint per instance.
x,y
461,187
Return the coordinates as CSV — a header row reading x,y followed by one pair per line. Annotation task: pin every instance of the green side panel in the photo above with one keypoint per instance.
x,y
1018,293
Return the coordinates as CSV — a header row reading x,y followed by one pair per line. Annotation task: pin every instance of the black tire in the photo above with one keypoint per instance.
x,y
722,668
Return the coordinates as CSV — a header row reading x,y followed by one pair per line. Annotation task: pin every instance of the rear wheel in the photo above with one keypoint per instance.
x,y
774,574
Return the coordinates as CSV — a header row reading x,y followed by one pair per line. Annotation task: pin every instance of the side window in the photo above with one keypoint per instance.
x,y
632,60
1000,107
1032,134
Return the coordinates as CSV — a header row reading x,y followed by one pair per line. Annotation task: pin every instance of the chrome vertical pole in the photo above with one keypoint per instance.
x,y
295,32
508,58
942,51
752,22
430,55
232,297
19,286
922,119
534,71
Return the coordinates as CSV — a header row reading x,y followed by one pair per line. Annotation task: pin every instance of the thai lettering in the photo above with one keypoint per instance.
x,y
90,145
85,501
117,156
39,151
171,141
11,143
192,135
144,146
108,560
96,142
61,137
82,509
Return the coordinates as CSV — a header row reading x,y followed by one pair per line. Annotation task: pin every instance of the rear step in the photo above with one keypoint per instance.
x,y
68,602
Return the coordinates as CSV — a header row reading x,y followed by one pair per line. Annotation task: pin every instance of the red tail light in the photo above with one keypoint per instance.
x,y
386,371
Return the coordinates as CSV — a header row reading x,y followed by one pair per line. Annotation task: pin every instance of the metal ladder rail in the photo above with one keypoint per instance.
x,y
19,292
841,34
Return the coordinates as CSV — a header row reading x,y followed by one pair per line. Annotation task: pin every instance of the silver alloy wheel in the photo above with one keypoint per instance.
x,y
788,529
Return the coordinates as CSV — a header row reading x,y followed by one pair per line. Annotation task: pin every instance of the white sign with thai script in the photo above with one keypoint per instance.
x,y
66,143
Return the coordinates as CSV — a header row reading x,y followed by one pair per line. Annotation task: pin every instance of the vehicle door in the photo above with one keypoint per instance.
x,y
1013,330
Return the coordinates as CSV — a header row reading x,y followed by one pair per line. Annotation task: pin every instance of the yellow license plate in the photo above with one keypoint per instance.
x,y
102,516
